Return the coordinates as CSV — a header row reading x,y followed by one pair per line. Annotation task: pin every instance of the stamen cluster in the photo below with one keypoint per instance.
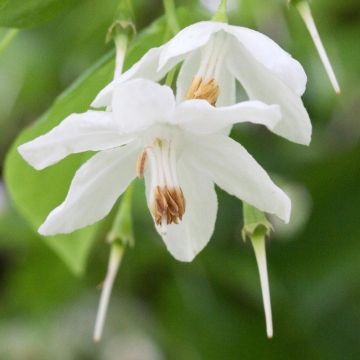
x,y
167,198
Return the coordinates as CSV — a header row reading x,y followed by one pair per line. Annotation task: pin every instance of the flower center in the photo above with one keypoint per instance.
x,y
205,84
167,200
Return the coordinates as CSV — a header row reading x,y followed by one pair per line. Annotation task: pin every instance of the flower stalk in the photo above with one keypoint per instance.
x,y
116,255
305,12
120,236
257,228
121,42
221,12
121,31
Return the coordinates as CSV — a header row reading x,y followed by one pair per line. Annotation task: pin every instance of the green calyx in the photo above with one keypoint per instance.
x,y
295,2
256,225
221,13
121,28
123,23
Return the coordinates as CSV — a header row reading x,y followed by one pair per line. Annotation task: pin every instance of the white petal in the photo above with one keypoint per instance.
x,y
227,88
187,40
145,68
186,239
261,84
104,97
139,103
94,190
186,74
227,94
272,56
92,130
199,117
236,171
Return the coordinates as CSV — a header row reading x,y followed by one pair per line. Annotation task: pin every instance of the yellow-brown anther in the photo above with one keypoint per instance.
x,y
169,204
140,165
206,90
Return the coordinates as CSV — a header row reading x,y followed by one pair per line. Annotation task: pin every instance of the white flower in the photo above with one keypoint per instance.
x,y
178,148
214,56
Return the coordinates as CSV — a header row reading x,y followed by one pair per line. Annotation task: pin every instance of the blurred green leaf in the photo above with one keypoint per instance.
x,y
36,193
28,13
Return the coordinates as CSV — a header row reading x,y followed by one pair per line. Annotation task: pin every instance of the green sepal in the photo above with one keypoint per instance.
x,y
256,225
221,12
124,23
295,2
122,229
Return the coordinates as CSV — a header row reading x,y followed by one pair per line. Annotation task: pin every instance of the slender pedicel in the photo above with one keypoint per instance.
x,y
305,12
116,255
260,254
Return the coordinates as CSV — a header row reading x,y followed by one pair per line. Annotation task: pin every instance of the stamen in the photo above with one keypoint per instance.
x,y
167,199
140,165
196,82
208,90
205,83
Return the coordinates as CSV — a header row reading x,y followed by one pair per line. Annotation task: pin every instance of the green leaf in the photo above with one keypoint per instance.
x,y
29,13
36,193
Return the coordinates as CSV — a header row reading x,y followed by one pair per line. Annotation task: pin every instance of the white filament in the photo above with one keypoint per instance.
x,y
165,160
116,254
305,12
153,168
120,46
260,254
172,157
159,166
163,173
207,52
212,58
220,60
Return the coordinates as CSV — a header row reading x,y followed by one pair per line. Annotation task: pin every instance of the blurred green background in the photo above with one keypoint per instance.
x,y
212,307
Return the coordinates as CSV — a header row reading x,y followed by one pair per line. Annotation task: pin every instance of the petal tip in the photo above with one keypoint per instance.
x,y
182,256
42,230
185,258
25,152
47,228
285,212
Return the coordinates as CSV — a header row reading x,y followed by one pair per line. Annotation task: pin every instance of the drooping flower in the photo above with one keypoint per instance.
x,y
178,148
215,55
